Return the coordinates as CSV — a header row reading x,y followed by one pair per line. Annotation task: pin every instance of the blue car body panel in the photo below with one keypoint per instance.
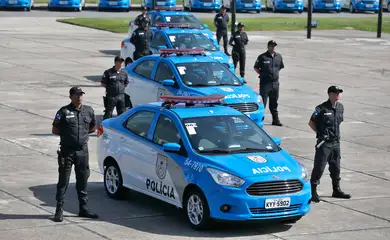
x,y
15,3
206,4
289,5
64,4
327,5
365,5
244,206
114,4
160,3
248,5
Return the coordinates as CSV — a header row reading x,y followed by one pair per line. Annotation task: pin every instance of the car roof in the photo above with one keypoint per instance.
x,y
179,30
199,110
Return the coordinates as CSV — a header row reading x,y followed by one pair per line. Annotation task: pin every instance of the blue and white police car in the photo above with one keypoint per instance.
x,y
17,4
211,160
179,36
190,72
77,5
160,3
213,5
244,5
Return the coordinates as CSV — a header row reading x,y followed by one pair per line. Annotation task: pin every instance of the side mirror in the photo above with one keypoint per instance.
x,y
242,80
205,26
171,147
161,47
168,82
277,140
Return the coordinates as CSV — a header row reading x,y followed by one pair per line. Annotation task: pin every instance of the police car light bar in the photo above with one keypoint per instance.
x,y
173,25
182,51
168,8
215,98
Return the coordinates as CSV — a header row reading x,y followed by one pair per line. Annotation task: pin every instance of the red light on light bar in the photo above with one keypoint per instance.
x,y
182,51
215,98
173,25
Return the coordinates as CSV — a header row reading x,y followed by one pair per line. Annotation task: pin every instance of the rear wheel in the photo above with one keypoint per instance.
x,y
197,210
113,182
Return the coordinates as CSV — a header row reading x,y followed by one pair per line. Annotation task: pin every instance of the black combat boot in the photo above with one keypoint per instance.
x,y
314,195
58,216
337,193
86,213
277,122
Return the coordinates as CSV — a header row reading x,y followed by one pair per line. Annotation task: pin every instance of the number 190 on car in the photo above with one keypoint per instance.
x,y
277,203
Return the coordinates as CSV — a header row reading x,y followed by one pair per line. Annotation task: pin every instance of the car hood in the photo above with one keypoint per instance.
x,y
219,56
249,165
233,94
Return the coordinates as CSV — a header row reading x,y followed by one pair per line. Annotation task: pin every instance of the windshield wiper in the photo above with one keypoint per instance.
x,y
243,150
216,151
199,85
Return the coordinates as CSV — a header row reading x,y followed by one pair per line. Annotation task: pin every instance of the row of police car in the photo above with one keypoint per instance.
x,y
194,137
190,5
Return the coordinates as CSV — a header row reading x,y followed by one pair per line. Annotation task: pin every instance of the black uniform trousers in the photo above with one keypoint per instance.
x,y
239,57
329,152
117,102
80,159
139,54
223,34
270,90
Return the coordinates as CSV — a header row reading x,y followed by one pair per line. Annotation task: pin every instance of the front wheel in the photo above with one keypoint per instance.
x,y
258,11
197,210
113,182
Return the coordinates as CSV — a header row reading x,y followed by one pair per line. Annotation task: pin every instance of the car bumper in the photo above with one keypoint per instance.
x,y
327,7
364,7
64,4
15,4
289,6
248,6
114,4
206,6
245,207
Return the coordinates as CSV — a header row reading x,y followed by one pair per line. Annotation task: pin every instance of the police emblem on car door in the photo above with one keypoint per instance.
x,y
161,166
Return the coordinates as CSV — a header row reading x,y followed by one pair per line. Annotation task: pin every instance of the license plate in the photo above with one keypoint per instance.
x,y
63,2
12,2
207,4
248,5
160,3
290,5
113,3
369,5
277,203
328,5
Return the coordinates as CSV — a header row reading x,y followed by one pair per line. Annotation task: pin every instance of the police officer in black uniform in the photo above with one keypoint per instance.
x,y
142,17
325,121
221,21
141,39
73,123
268,66
115,81
238,41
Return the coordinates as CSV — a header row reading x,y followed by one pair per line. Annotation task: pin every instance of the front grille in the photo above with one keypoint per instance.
x,y
289,1
247,1
274,188
206,0
244,107
368,2
275,210
328,1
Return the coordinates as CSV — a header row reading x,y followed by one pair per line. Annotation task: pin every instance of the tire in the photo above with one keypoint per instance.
x,y
114,190
196,199
292,220
258,11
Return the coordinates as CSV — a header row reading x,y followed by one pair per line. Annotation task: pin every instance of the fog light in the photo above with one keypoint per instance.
x,y
225,208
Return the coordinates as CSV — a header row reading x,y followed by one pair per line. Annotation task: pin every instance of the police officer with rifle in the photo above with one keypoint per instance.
x,y
325,121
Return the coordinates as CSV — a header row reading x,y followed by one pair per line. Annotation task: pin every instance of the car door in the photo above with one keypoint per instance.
x,y
158,41
138,155
142,89
164,72
167,174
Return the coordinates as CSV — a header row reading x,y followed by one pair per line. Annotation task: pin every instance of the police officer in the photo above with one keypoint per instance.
x,y
142,17
238,41
325,121
141,39
73,123
221,21
268,66
115,81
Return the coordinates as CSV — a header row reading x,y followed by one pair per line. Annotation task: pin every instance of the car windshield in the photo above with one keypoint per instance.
x,y
206,74
227,135
191,41
187,19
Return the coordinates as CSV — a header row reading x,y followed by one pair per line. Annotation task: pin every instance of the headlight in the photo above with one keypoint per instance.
x,y
259,100
225,179
304,175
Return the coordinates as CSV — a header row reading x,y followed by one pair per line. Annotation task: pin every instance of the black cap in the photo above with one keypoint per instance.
x,y
334,89
272,43
118,59
240,25
75,90
223,7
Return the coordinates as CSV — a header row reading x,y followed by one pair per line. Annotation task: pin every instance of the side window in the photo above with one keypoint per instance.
x,y
158,19
158,40
145,68
163,72
166,131
139,123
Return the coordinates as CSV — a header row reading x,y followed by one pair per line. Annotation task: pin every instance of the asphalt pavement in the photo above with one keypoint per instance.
x,y
91,12
41,59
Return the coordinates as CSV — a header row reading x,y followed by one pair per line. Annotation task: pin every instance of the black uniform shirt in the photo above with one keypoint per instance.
x,y
238,40
221,21
74,125
269,67
328,119
116,82
141,39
